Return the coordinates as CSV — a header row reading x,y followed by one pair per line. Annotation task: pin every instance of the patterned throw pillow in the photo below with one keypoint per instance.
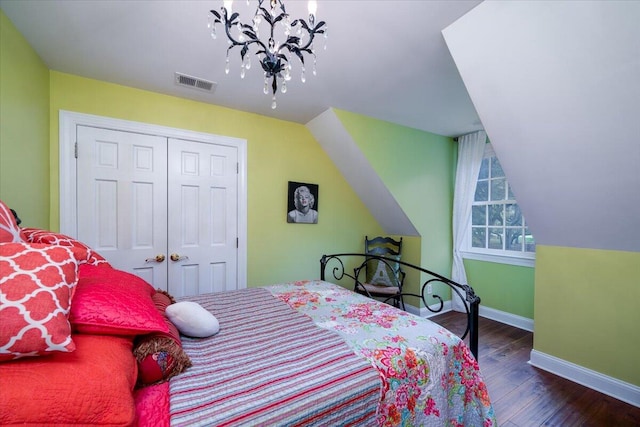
x,y
160,355
9,230
381,273
36,287
36,235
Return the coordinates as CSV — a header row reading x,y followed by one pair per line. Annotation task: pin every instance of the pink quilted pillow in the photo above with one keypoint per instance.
x,y
9,230
113,302
36,287
36,235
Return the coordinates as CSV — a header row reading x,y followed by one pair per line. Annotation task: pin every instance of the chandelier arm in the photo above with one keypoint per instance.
x,y
312,33
293,46
254,40
228,23
227,28
305,48
234,42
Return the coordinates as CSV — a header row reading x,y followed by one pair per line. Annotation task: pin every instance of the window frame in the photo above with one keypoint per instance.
x,y
502,256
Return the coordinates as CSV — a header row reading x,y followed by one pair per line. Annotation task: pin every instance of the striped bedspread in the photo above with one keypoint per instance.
x,y
271,366
430,378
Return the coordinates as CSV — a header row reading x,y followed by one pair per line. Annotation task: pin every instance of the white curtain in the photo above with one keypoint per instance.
x,y
470,153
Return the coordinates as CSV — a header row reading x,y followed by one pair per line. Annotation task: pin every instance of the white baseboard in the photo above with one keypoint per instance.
x,y
507,318
424,312
487,312
610,386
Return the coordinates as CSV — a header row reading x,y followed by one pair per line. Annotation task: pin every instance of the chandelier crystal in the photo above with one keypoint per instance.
x,y
296,39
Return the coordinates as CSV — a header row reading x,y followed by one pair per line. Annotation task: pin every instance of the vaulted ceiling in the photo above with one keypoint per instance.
x,y
383,59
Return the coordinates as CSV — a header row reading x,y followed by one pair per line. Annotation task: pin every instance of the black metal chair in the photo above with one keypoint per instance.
x,y
384,277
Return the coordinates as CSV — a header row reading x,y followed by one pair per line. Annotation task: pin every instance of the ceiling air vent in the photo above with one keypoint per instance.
x,y
194,82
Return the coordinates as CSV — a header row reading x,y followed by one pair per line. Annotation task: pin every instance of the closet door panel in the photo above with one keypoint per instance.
x,y
163,208
122,199
203,193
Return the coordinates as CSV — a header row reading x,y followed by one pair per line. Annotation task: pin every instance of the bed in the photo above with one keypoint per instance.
x,y
104,350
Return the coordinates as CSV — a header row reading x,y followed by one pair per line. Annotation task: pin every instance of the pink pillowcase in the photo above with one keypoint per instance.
x,y
113,302
152,406
9,230
36,287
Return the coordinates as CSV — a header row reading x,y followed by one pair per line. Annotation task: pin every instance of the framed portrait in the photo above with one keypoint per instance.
x,y
302,203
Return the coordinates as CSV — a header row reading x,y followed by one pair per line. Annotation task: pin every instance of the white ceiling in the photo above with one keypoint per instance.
x,y
384,59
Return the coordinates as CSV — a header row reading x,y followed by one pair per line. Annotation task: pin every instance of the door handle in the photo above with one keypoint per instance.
x,y
176,257
158,258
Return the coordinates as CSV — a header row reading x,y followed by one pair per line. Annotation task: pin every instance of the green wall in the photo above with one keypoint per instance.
x,y
24,127
277,152
418,169
586,309
508,288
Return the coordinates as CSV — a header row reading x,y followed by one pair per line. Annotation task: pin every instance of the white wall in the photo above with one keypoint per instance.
x,y
557,87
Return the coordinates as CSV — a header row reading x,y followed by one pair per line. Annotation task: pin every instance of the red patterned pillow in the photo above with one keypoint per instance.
x,y
160,355
113,302
36,287
9,230
36,235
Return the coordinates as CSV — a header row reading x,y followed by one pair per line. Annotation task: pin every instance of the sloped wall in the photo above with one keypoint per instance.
x,y
329,131
405,178
556,86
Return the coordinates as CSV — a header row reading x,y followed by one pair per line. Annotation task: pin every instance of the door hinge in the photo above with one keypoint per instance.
x,y
237,243
237,168
75,150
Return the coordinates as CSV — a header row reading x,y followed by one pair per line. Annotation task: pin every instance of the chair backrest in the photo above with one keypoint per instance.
x,y
382,246
379,272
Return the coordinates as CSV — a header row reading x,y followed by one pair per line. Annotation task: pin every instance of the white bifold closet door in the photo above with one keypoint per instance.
x,y
162,208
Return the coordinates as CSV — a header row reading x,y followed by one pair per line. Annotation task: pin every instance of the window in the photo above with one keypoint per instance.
x,y
499,231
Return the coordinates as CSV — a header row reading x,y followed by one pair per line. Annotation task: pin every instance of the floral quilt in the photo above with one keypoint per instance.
x,y
430,377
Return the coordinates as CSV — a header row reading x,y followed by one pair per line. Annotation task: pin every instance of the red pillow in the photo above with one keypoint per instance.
x,y
9,230
90,387
160,355
36,235
113,302
35,289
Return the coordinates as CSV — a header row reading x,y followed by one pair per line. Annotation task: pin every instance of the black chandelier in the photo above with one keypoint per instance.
x,y
274,55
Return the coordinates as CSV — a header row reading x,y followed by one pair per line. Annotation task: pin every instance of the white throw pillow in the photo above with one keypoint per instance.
x,y
192,319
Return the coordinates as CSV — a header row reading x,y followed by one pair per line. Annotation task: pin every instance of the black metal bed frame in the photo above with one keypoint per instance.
x,y
470,299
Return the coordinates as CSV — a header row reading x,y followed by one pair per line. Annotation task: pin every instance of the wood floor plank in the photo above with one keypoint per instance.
x,y
525,396
551,396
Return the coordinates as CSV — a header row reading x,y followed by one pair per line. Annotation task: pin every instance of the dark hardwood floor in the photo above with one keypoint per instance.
x,y
525,396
